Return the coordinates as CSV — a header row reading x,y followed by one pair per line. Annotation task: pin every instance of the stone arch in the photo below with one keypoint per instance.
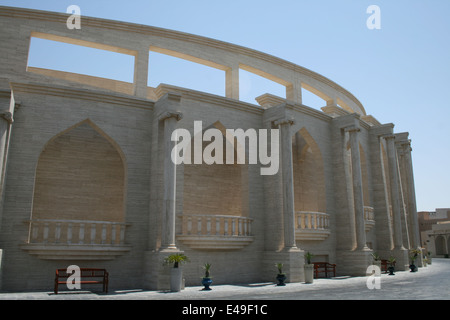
x,y
216,189
80,175
309,176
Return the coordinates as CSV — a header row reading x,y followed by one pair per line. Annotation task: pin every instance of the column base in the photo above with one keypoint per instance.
x,y
401,256
354,263
293,261
157,274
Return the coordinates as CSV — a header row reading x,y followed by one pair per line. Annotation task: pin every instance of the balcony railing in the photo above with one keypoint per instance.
x,y
70,239
312,225
220,232
369,217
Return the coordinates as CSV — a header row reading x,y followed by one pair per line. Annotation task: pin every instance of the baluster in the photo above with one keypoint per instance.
x,y
113,234
34,231
217,225
104,233
122,233
189,225
45,232
225,227
93,232
208,225
199,225
57,232
69,233
81,234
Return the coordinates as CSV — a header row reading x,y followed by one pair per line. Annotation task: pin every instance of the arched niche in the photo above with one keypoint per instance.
x,y
309,176
80,175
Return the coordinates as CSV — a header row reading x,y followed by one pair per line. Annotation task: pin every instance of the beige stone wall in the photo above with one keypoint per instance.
x,y
79,176
115,159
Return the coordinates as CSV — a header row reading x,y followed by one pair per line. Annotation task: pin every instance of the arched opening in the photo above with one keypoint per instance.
x,y
440,245
309,178
311,218
79,192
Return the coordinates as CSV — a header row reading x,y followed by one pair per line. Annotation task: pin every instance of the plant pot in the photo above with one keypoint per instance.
x,y
391,271
413,268
309,273
281,278
206,282
176,278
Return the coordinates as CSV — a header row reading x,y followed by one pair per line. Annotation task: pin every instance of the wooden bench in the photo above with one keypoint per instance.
x,y
87,276
324,267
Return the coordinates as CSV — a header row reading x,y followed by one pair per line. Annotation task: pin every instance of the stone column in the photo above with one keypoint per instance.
x,y
141,72
358,199
395,190
168,223
294,91
232,82
412,207
288,182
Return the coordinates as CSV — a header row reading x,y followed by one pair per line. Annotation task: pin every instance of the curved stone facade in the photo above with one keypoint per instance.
x,y
88,178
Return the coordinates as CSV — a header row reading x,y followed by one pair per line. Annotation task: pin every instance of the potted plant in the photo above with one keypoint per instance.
x,y
413,257
376,260
309,268
206,280
281,277
176,273
391,265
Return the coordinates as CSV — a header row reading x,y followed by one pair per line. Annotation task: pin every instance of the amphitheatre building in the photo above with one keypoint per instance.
x,y
87,176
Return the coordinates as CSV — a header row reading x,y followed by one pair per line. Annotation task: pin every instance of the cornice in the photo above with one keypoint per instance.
x,y
81,94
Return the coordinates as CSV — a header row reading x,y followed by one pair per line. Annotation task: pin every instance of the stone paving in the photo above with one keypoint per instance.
x,y
429,283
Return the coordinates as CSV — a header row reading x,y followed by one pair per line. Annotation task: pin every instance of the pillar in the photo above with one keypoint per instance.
x,y
288,182
395,190
294,91
232,82
170,120
141,72
412,207
357,189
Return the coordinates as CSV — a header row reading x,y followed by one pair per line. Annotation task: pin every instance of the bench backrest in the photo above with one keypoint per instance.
x,y
84,273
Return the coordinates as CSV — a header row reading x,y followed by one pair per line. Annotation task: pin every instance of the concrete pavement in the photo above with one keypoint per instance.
x,y
429,283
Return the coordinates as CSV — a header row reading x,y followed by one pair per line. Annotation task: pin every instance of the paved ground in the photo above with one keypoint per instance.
x,y
429,283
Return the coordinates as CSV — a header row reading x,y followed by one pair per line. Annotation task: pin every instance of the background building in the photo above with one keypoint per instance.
x,y
434,230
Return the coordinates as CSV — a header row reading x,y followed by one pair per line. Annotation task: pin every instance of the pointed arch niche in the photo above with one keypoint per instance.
x,y
312,221
79,196
215,202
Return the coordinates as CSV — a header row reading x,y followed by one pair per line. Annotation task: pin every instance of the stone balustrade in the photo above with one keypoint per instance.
x,y
312,225
223,232
79,232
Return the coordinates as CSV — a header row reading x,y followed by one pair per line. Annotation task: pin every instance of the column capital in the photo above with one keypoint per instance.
x,y
8,116
352,129
388,136
170,114
285,120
